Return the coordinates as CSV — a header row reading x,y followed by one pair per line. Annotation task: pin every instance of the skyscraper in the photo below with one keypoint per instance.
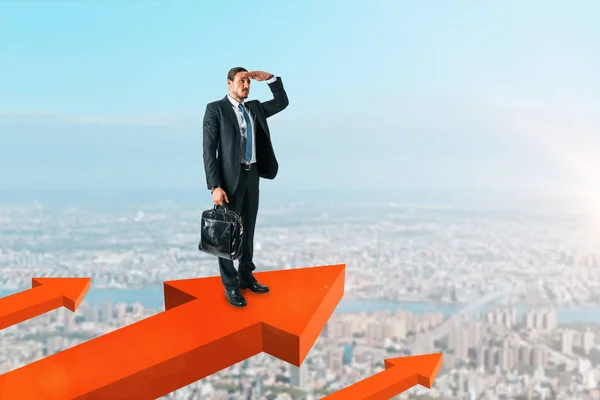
x,y
334,359
566,342
259,386
299,376
588,341
348,354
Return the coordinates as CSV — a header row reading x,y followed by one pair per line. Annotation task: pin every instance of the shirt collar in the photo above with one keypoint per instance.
x,y
234,102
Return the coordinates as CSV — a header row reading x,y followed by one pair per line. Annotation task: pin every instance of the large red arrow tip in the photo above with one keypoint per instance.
x,y
73,290
292,314
426,366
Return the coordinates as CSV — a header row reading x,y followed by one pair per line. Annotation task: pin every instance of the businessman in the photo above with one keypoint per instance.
x,y
238,152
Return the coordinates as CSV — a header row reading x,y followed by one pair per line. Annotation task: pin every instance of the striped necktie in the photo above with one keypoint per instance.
x,y
248,133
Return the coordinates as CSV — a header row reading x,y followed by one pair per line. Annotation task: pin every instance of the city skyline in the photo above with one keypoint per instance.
x,y
509,298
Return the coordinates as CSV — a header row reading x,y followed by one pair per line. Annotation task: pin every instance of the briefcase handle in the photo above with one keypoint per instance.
x,y
224,207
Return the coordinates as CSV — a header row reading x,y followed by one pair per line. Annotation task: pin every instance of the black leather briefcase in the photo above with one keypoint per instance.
x,y
221,233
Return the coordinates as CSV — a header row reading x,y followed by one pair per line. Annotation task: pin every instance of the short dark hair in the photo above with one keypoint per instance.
x,y
234,71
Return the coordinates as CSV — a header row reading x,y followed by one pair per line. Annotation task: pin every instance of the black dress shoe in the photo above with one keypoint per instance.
x,y
235,297
254,286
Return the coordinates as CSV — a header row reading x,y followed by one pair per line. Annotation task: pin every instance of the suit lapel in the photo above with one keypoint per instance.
x,y
251,105
230,114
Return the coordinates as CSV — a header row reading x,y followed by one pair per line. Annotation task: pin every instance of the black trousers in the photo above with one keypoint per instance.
x,y
244,202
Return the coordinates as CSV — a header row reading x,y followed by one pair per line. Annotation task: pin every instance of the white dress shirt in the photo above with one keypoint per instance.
x,y
242,122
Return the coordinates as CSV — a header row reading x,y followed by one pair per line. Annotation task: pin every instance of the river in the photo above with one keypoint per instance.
x,y
152,297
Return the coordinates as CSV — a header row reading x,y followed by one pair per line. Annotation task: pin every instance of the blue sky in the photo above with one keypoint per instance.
x,y
389,95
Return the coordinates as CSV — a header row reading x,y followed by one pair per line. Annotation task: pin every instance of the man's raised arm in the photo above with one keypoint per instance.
x,y
210,144
280,100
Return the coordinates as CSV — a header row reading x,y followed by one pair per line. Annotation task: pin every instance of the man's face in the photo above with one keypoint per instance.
x,y
240,86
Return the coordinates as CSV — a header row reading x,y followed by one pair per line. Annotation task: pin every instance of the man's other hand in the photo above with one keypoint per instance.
x,y
218,196
259,75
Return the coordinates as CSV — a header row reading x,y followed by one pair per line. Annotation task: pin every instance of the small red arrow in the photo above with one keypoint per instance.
x,y
45,295
199,334
400,374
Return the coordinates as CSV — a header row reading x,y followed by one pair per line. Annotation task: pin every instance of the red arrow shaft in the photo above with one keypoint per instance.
x,y
381,386
145,360
27,304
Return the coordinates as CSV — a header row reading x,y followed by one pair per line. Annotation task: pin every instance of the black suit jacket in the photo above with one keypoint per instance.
x,y
222,136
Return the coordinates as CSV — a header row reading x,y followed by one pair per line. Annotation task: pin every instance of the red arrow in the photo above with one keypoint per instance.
x,y
45,295
400,375
199,334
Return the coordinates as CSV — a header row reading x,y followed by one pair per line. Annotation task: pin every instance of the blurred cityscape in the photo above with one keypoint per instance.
x,y
510,298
